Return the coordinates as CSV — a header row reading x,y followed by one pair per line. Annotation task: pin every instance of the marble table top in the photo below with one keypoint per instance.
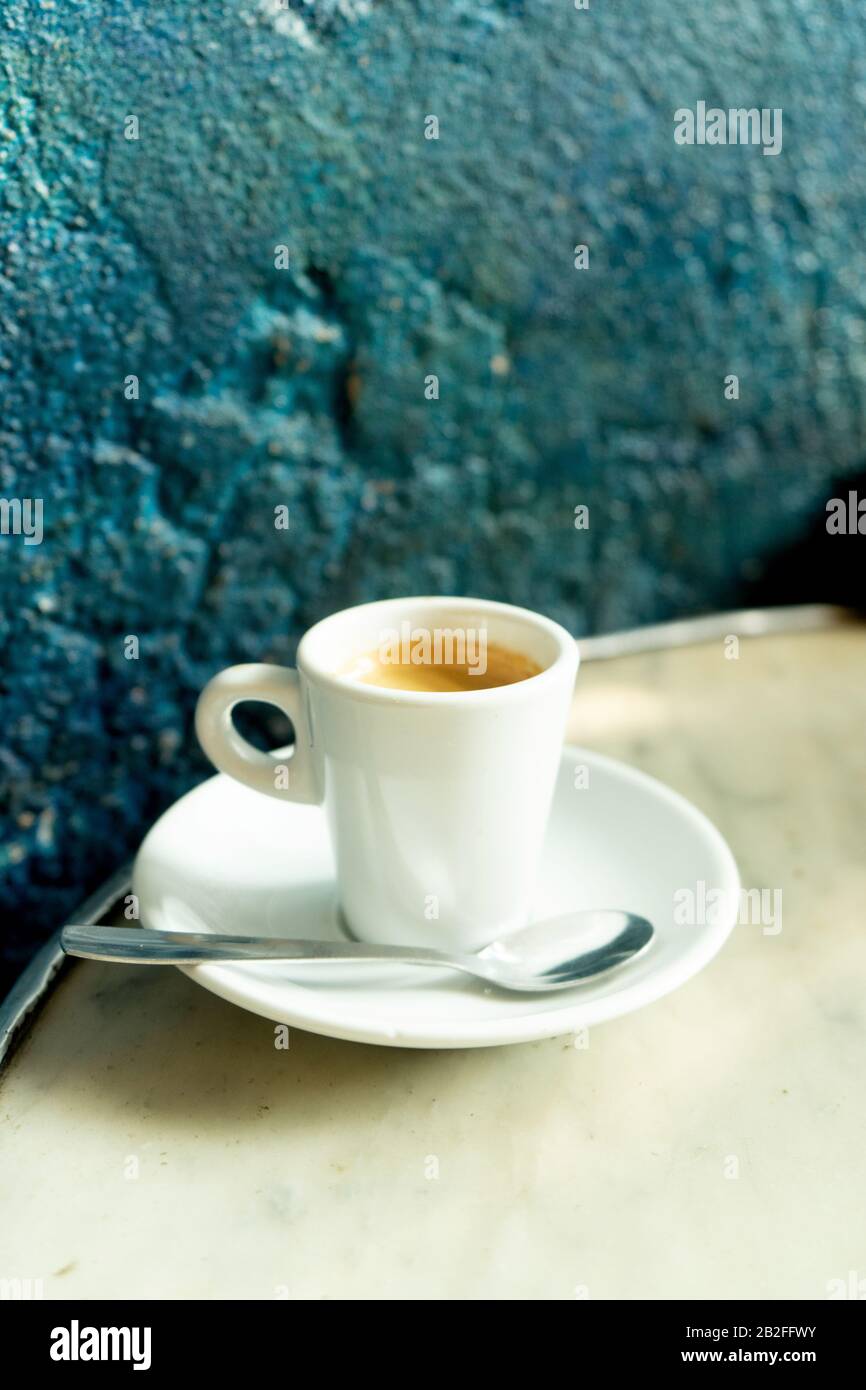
x,y
154,1144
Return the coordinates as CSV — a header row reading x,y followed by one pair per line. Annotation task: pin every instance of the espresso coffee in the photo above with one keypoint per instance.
x,y
413,668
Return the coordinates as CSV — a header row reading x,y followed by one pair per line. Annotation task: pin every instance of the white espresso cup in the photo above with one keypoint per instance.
x,y
436,802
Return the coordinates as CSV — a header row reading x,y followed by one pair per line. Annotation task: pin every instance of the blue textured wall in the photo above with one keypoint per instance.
x,y
260,387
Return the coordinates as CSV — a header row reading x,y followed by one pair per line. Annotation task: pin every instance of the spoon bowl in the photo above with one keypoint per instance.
x,y
564,950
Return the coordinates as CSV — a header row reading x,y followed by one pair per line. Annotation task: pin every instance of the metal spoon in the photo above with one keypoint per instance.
x,y
546,955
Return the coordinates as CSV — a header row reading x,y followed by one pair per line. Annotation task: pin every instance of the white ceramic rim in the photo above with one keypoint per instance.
x,y
315,670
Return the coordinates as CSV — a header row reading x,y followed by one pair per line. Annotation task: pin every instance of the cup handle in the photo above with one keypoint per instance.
x,y
291,777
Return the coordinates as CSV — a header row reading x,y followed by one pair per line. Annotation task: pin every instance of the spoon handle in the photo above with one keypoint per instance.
x,y
140,946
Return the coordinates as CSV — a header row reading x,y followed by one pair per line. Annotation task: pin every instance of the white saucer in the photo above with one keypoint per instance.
x,y
228,859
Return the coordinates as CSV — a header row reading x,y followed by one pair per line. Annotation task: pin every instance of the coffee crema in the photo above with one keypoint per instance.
x,y
501,666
